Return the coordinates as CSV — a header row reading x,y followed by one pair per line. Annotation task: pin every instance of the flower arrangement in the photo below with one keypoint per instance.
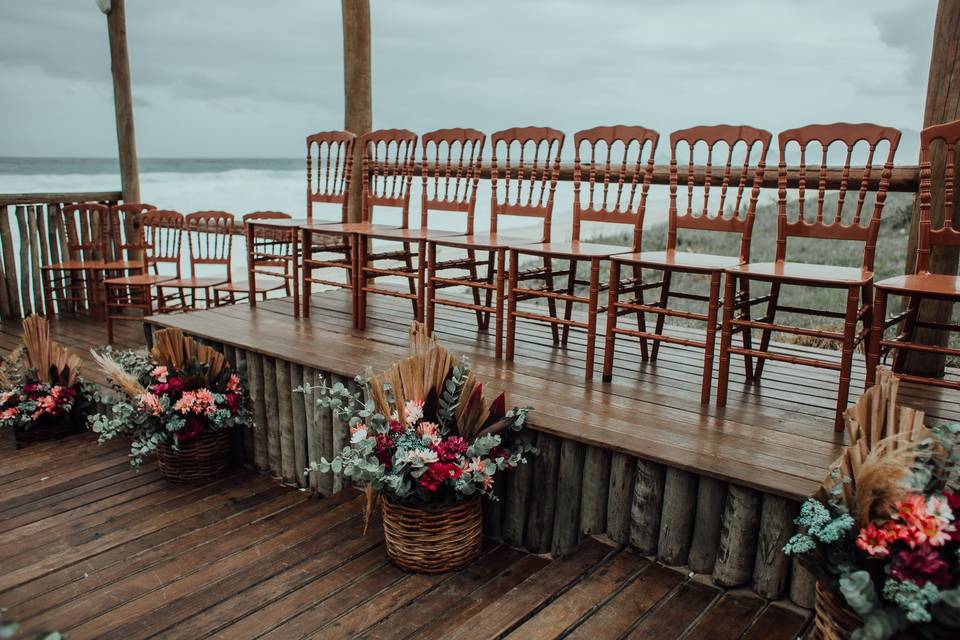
x,y
42,392
170,397
425,434
883,534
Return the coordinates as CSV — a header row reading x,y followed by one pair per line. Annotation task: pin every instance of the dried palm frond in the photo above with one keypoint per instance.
x,y
173,349
881,478
51,361
127,382
64,365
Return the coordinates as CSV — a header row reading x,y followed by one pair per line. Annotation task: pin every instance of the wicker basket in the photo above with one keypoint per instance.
x,y
834,620
433,539
47,430
205,457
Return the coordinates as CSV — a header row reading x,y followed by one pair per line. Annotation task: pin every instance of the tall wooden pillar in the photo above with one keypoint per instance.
x,y
122,98
943,105
357,91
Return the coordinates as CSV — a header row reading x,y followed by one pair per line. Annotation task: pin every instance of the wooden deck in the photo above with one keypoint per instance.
x,y
95,549
775,436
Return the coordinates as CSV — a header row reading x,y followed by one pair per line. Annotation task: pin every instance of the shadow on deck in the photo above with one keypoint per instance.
x,y
100,551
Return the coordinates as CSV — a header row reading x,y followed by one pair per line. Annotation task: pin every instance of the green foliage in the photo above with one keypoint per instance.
x,y
450,398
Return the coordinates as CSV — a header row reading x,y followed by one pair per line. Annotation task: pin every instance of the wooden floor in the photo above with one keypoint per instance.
x,y
95,549
776,436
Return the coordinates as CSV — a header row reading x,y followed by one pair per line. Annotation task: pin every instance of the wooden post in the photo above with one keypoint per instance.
x,y
677,516
123,100
593,496
9,264
943,105
357,90
620,497
711,497
646,506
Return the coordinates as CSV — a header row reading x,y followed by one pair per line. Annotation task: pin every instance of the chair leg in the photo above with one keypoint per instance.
x,y
568,304
306,272
613,295
846,355
500,269
494,258
512,303
109,318
47,291
421,292
551,302
726,334
909,329
770,316
411,282
876,335
710,342
641,316
664,300
472,269
746,333
361,276
591,317
431,290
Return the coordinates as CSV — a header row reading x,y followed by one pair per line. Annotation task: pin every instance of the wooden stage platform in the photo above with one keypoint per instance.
x,y
97,550
775,436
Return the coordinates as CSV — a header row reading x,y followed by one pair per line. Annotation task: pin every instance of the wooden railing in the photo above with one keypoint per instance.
x,y
41,241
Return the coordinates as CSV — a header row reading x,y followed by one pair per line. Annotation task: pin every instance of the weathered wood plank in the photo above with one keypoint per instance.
x,y
313,435
25,289
677,516
258,400
711,498
771,571
593,497
566,525
620,497
285,408
9,263
540,517
273,415
518,495
35,260
646,506
803,585
738,537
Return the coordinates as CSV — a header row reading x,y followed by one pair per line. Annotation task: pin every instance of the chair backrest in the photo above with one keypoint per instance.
x,y
450,170
525,166
942,158
824,224
84,226
726,212
598,152
388,171
270,241
162,236
210,238
124,234
331,152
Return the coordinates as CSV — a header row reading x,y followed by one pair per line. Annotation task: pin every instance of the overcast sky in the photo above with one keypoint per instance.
x,y
250,78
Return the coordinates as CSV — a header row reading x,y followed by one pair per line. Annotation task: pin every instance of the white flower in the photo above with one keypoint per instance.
x,y
419,457
414,411
358,434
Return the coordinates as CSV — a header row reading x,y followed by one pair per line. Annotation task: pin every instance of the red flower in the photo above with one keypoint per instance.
x,y
395,426
450,449
192,428
498,452
920,566
233,402
382,450
438,473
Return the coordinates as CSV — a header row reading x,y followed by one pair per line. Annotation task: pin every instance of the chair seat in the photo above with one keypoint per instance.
x,y
682,260
575,249
934,284
283,223
139,280
803,273
194,283
347,227
243,286
411,234
483,241
76,265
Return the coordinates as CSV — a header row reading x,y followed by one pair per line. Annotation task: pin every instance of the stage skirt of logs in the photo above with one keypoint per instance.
x,y
571,490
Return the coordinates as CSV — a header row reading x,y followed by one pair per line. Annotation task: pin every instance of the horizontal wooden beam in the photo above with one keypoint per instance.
x,y
60,198
905,179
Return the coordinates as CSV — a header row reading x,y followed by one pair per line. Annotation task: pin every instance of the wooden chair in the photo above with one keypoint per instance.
x,y
210,242
271,255
162,233
922,284
388,156
855,281
731,211
329,184
75,282
598,196
124,241
536,168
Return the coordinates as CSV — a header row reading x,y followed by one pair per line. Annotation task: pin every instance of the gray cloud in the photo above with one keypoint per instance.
x,y
251,78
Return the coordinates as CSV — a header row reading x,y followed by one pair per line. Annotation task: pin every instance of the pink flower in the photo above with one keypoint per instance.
x,y
911,510
204,402
9,414
934,531
160,373
428,430
5,396
233,383
875,540
414,411
150,402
